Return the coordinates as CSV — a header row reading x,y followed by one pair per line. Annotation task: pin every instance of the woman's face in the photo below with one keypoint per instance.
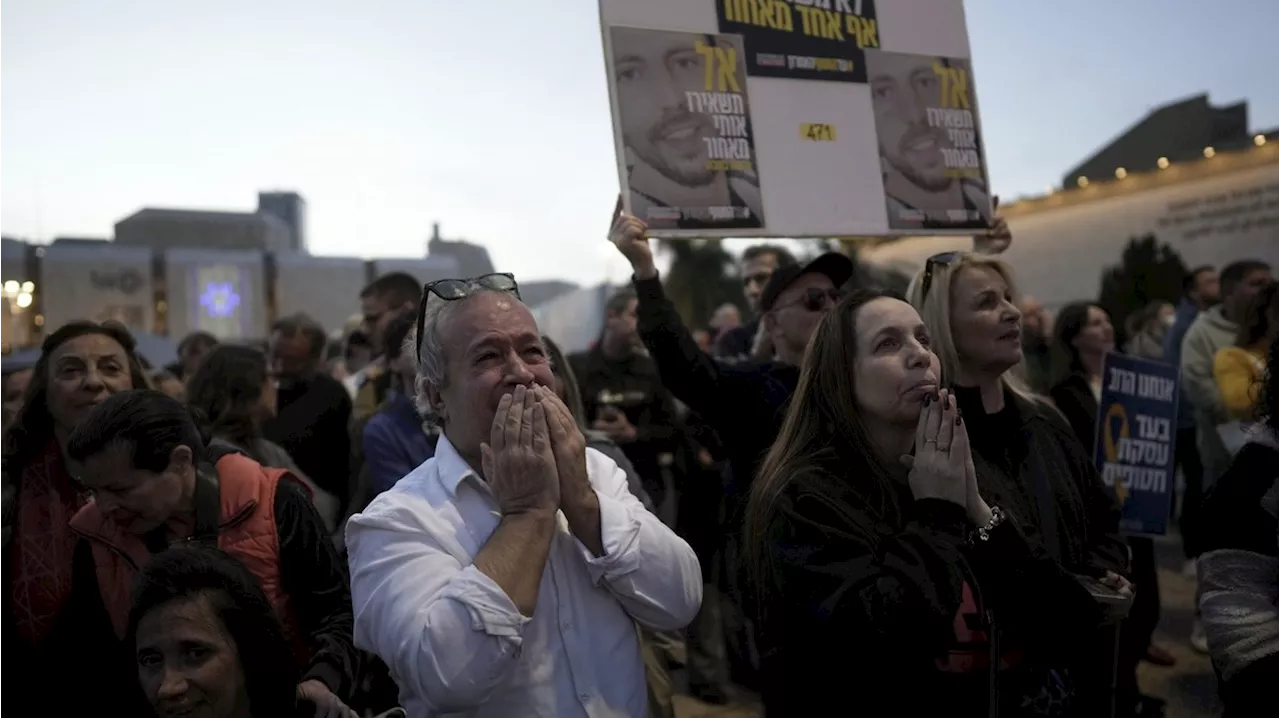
x,y
895,368
1165,316
135,499
188,664
83,372
1096,336
985,324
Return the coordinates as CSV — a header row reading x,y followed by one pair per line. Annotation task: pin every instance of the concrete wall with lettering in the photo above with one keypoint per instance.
x,y
220,292
325,288
97,283
1059,254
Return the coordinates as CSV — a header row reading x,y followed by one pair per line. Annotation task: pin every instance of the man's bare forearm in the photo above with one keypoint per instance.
x,y
515,555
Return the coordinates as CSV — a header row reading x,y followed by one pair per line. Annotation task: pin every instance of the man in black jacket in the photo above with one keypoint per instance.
x,y
312,409
624,398
757,265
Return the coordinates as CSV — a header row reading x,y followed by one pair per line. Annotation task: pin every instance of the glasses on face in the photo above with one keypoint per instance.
x,y
944,259
454,289
814,299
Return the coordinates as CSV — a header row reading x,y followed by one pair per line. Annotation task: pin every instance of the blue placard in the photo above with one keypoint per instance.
x,y
1134,447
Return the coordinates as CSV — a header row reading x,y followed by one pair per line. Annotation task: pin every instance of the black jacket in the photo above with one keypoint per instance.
x,y
898,614
743,403
735,344
1029,461
1235,518
312,424
631,385
1074,398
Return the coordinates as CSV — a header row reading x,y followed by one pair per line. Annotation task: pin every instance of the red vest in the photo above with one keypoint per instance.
x,y
246,530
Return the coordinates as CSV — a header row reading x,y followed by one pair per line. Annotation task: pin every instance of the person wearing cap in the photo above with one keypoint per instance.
x,y
741,402
757,265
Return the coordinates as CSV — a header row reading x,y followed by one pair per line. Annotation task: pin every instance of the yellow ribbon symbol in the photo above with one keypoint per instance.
x,y
1111,441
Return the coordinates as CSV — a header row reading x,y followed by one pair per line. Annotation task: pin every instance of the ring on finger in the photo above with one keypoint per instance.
x,y
930,441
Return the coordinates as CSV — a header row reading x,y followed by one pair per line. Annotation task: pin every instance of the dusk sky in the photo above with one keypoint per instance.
x,y
491,116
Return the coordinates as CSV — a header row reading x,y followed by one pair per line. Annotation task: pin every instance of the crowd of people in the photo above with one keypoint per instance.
x,y
854,501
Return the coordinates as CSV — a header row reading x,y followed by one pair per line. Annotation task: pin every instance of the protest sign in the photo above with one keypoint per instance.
x,y
795,118
1136,431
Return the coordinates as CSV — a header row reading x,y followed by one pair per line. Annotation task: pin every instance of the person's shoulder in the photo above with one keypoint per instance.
x,y
1042,413
325,384
378,424
418,494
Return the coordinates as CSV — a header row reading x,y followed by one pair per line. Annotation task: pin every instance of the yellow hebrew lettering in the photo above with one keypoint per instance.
x,y
727,58
863,30
708,54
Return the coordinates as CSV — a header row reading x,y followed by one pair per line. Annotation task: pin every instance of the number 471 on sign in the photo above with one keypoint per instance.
x,y
818,132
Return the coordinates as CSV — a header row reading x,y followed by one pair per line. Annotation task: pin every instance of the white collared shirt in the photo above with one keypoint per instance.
x,y
454,641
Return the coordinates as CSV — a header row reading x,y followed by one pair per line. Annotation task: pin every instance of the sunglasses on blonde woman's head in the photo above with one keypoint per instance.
x,y
814,299
942,259
454,289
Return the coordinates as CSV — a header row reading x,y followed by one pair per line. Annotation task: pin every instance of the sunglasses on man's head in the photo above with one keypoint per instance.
x,y
455,289
942,259
814,299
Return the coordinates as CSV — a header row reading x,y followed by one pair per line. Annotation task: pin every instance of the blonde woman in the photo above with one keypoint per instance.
x,y
1026,456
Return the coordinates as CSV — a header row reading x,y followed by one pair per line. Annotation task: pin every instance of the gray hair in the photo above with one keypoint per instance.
x,y
432,364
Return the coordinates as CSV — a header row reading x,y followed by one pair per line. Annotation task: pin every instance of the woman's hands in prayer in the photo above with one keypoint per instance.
x,y
938,468
942,467
628,234
518,461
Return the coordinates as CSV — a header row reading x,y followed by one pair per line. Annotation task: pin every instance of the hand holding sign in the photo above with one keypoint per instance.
x,y
997,238
629,235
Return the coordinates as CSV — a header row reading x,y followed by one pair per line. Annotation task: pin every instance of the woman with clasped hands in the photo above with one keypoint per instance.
x,y
883,574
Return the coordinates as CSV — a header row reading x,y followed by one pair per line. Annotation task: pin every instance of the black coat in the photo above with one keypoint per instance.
x,y
898,614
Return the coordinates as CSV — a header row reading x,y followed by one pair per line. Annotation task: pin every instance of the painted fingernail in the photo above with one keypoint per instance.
x,y
957,421
927,398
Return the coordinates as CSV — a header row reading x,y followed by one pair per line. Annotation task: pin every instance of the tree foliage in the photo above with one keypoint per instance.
x,y
1149,271
701,277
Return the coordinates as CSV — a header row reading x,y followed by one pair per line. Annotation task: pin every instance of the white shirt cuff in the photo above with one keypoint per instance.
x,y
620,538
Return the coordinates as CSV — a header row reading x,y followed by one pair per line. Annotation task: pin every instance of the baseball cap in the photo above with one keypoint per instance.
x,y
835,266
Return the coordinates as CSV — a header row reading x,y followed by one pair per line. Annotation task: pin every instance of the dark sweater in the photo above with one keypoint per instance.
x,y
899,612
743,403
1240,529
1030,462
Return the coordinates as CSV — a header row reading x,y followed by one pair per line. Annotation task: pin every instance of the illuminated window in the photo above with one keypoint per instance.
x,y
220,299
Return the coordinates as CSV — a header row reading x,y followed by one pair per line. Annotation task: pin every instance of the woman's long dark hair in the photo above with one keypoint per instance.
x,y
1266,409
1258,318
193,571
1064,358
824,443
572,392
227,388
32,428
